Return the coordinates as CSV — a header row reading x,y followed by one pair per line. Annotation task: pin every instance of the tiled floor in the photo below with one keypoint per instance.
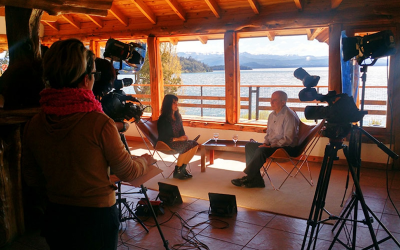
x,y
249,229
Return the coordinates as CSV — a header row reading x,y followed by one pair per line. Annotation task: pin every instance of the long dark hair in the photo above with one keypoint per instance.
x,y
166,108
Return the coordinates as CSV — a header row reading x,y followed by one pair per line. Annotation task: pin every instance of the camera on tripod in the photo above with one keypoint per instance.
x,y
116,104
340,112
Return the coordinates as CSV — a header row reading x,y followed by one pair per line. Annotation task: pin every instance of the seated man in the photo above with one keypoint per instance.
x,y
282,131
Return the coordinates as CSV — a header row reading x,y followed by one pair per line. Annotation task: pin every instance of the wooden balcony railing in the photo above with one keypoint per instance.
x,y
255,102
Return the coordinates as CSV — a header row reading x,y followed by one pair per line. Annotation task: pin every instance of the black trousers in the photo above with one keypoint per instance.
x,y
256,157
71,227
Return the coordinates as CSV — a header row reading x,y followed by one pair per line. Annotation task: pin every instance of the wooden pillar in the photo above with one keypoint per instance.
x,y
232,77
22,25
394,89
156,76
11,204
335,78
95,47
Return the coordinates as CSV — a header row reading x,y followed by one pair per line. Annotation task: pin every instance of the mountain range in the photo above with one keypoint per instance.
x,y
264,60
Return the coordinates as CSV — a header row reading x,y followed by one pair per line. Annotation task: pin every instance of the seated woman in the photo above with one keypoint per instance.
x,y
170,131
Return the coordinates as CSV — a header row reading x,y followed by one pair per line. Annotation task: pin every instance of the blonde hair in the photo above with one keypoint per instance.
x,y
66,64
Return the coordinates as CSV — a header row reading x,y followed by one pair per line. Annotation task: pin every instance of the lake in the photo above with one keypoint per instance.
x,y
376,76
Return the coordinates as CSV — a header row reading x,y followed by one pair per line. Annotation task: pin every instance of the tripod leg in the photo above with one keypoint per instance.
x,y
165,242
364,207
320,195
134,216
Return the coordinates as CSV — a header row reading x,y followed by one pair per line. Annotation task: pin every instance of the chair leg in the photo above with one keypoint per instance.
x,y
265,172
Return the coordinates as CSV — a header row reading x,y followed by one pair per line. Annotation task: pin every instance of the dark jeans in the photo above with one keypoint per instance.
x,y
71,227
256,157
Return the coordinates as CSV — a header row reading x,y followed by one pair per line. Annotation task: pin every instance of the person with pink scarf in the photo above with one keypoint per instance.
x,y
69,150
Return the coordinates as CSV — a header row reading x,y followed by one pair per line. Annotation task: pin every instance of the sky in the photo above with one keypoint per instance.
x,y
282,45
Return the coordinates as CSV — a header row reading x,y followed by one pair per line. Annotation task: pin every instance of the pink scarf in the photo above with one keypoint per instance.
x,y
67,101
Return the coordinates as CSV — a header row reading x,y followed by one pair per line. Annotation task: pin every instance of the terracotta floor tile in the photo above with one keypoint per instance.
x,y
253,216
215,244
269,238
390,243
239,233
389,209
288,224
374,192
392,222
190,219
376,205
153,239
199,206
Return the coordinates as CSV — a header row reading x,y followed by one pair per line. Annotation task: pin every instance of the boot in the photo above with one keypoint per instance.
x,y
185,171
179,174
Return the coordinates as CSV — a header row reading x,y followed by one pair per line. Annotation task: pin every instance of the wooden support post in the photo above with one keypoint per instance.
x,y
394,90
232,77
335,77
22,25
95,47
156,76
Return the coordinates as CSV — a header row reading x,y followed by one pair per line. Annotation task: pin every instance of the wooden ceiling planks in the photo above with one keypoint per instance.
x,y
191,19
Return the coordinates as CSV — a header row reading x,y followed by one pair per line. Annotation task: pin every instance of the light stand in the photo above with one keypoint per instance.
x,y
317,208
143,190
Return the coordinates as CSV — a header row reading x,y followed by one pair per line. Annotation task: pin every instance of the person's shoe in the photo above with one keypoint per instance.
x,y
239,182
185,172
178,174
257,182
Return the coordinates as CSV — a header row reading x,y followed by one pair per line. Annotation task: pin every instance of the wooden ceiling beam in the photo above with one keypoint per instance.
x,y
323,37
299,4
335,3
174,41
271,35
146,11
47,17
53,25
255,6
56,7
313,33
96,20
119,16
265,21
214,7
203,39
71,20
177,8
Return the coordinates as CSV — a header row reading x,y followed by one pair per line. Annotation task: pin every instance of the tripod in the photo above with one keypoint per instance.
x,y
143,191
317,208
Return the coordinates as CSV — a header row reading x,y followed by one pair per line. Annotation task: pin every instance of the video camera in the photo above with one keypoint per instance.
x,y
341,109
116,104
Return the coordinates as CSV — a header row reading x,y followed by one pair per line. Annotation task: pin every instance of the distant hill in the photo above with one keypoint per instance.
x,y
265,61
191,65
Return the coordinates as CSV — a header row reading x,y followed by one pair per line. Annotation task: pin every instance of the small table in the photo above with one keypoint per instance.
x,y
221,145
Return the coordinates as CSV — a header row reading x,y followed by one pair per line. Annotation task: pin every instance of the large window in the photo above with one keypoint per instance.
x,y
268,66
202,93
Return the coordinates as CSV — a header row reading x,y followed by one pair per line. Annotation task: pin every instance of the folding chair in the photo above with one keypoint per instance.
x,y
148,129
308,138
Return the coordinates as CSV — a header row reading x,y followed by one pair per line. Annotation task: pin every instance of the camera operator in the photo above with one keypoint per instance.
x,y
105,84
69,149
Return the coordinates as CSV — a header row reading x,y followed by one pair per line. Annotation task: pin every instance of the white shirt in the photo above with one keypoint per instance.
x,y
282,128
